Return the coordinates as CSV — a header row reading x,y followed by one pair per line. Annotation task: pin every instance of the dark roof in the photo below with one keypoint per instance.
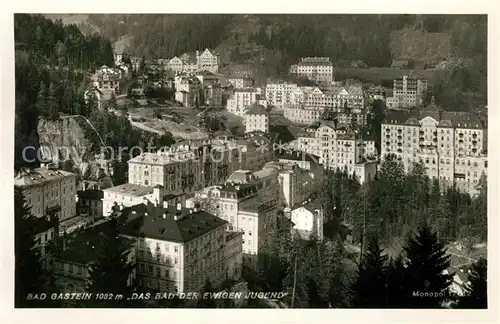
x,y
81,245
297,156
149,221
41,225
92,194
445,118
257,109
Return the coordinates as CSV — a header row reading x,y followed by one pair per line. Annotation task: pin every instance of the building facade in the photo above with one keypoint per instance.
x,y
240,100
408,92
178,248
47,188
257,119
319,69
451,145
308,221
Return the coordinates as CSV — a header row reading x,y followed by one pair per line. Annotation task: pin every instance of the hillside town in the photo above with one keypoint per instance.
x,y
216,209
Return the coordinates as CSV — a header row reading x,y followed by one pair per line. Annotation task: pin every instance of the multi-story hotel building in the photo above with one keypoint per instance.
x,y
46,189
208,60
257,119
303,115
193,62
187,166
408,92
318,69
241,99
340,147
248,201
178,248
451,145
337,98
296,183
281,94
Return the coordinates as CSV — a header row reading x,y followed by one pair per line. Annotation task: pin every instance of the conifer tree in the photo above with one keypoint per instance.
x,y
52,103
28,268
41,100
111,270
477,290
426,260
330,281
369,289
113,105
396,288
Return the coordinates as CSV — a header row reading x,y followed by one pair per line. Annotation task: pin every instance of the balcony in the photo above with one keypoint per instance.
x,y
474,142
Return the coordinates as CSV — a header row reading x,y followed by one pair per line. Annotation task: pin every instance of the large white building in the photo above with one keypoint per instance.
x,y
241,99
47,189
257,119
187,166
318,69
208,60
280,95
248,201
408,92
340,147
303,115
451,145
178,248
195,62
308,221
296,183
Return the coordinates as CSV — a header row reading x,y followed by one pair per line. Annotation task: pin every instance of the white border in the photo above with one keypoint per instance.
x,y
238,315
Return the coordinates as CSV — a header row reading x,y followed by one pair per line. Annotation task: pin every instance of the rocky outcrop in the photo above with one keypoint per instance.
x,y
70,140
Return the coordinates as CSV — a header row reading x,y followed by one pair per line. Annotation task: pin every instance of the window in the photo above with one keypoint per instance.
x,y
176,249
176,260
146,182
158,272
150,269
70,268
143,268
79,269
158,256
46,235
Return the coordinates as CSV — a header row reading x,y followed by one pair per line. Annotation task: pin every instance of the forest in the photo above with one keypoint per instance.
x,y
52,71
271,43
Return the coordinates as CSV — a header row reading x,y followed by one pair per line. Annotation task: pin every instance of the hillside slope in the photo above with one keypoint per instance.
x,y
420,45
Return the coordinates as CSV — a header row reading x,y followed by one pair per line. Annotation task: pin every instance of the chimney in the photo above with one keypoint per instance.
x,y
179,206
